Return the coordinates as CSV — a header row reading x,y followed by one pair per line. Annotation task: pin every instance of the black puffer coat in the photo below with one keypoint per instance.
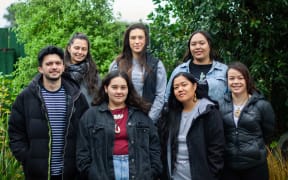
x,y
245,144
30,133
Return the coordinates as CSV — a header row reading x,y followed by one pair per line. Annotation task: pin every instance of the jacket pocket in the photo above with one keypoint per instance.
x,y
97,135
251,150
143,135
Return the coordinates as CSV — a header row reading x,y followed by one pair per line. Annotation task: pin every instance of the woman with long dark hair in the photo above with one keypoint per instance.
x,y
80,65
147,73
117,140
191,133
201,60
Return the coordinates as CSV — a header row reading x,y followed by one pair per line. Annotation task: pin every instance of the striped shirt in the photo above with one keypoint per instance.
x,y
56,107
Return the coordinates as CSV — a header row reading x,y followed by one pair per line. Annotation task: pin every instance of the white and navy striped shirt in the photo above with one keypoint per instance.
x,y
56,107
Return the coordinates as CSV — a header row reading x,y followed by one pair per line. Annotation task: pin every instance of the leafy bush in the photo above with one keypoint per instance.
x,y
9,167
40,23
253,32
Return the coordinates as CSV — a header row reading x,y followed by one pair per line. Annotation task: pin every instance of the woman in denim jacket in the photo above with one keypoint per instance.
x,y
117,139
200,61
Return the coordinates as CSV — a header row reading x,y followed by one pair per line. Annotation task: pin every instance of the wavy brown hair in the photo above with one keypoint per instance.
x,y
133,99
91,77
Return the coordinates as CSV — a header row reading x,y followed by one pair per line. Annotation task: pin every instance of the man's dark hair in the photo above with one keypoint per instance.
x,y
49,50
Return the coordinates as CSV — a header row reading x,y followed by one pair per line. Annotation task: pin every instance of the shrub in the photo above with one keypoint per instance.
x,y
9,167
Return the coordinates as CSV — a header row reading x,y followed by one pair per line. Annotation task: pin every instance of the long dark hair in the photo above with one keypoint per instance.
x,y
213,53
242,68
133,99
91,77
171,117
124,60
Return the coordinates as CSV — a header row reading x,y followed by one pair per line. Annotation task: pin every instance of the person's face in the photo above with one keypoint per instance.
x,y
199,47
236,82
137,40
184,90
52,67
78,50
117,92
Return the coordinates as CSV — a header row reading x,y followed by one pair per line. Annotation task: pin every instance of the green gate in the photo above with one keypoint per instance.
x,y
10,50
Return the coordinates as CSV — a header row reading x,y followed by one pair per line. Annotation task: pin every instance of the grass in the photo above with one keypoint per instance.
x,y
277,164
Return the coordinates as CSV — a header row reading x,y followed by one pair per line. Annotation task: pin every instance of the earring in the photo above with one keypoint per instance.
x,y
195,98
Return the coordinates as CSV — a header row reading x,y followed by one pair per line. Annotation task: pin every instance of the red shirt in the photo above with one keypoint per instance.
x,y
121,136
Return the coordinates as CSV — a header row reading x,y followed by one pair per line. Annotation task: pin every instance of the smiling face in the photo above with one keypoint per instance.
x,y
236,82
200,49
184,89
117,91
78,50
137,41
52,67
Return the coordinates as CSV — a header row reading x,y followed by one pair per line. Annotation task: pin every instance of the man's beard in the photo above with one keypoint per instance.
x,y
53,79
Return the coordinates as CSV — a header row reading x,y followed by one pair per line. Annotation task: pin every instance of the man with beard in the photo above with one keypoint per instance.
x,y
44,121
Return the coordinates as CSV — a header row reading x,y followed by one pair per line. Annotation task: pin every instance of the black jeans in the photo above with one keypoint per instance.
x,y
259,172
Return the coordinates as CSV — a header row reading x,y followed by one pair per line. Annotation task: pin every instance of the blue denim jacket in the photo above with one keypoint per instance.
x,y
216,79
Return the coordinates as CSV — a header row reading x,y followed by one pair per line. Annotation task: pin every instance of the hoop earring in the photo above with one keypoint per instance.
x,y
195,98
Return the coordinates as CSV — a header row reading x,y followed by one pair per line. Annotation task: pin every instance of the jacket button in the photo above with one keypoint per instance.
x,y
132,142
133,177
129,123
132,160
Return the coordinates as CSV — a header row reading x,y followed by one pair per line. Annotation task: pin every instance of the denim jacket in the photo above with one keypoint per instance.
x,y
94,152
216,78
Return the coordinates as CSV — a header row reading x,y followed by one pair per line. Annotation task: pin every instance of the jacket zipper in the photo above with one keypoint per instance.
x,y
69,99
49,132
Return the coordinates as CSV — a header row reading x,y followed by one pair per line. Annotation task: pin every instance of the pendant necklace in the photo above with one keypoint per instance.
x,y
238,108
118,117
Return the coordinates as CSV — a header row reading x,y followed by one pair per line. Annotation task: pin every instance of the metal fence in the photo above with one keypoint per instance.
x,y
10,50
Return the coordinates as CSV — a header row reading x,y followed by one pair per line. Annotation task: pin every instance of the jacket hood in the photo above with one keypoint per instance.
x,y
256,96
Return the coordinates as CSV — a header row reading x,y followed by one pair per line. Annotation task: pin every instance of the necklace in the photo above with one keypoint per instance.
x,y
117,116
238,108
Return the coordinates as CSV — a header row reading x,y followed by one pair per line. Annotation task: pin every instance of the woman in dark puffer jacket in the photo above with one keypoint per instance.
x,y
248,124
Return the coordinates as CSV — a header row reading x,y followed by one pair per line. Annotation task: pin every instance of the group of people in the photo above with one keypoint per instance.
x,y
208,122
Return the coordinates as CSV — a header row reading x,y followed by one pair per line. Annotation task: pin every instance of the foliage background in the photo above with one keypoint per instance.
x,y
41,23
253,32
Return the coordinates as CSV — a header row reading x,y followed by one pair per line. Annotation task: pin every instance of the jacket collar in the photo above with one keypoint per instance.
x,y
71,87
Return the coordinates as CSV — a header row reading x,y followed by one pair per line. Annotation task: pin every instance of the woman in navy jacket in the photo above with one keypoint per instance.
x,y
117,140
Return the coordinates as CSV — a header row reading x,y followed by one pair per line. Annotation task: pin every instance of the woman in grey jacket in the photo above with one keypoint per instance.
x,y
117,140
248,124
